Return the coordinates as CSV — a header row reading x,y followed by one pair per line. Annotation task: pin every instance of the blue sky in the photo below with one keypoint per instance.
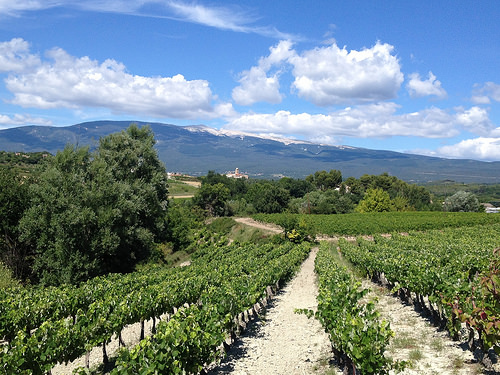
x,y
412,76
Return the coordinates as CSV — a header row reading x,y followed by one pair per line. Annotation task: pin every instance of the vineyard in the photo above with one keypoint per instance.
x,y
384,222
42,327
450,274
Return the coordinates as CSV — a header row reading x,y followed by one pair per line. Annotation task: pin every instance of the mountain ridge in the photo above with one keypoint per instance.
x,y
196,149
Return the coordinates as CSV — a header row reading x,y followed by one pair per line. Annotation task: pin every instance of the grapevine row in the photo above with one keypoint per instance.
x,y
440,267
385,222
358,336
66,335
192,338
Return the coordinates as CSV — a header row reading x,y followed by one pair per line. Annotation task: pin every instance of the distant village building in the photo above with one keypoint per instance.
x,y
490,209
236,174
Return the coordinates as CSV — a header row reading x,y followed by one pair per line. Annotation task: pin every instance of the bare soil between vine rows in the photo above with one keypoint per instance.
x,y
284,342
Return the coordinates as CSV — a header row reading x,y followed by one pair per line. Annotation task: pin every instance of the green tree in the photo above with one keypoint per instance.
x,y
13,202
213,199
95,213
324,180
462,202
268,197
132,158
375,200
297,188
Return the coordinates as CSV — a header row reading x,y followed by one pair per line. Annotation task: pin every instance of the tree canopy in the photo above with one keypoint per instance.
x,y
92,213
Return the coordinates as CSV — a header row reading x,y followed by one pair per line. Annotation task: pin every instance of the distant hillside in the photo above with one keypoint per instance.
x,y
198,149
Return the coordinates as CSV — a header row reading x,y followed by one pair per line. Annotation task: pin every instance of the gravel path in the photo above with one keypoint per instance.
x,y
257,224
284,342
430,350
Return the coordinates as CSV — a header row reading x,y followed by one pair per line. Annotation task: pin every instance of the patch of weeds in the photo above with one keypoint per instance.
x,y
415,355
437,345
457,363
6,278
403,341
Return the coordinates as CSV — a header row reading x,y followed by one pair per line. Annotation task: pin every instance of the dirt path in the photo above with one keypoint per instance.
x,y
284,342
430,350
257,224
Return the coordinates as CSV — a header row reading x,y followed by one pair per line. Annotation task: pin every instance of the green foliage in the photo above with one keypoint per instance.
x,y
95,213
182,221
297,188
237,187
268,197
7,280
355,328
442,267
481,309
324,180
322,202
13,202
386,222
462,202
375,200
484,192
416,196
44,326
213,199
222,225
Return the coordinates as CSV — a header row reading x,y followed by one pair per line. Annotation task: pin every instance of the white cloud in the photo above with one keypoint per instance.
x,y
256,85
482,148
363,121
489,90
431,86
233,18
72,82
18,119
14,8
330,75
15,56
474,119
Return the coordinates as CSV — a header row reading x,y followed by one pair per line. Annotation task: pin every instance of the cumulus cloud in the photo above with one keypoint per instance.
x,y
474,119
15,56
329,75
75,82
372,120
429,87
489,90
482,148
256,85
18,119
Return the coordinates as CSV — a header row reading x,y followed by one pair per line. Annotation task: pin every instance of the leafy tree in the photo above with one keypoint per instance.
x,y
297,188
13,202
132,158
401,204
354,188
181,222
375,200
324,180
95,213
268,198
237,186
213,199
462,202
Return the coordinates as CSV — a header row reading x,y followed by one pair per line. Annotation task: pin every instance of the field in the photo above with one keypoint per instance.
x,y
385,222
443,264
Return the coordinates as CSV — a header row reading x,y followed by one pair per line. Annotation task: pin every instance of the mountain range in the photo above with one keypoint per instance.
x,y
197,149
